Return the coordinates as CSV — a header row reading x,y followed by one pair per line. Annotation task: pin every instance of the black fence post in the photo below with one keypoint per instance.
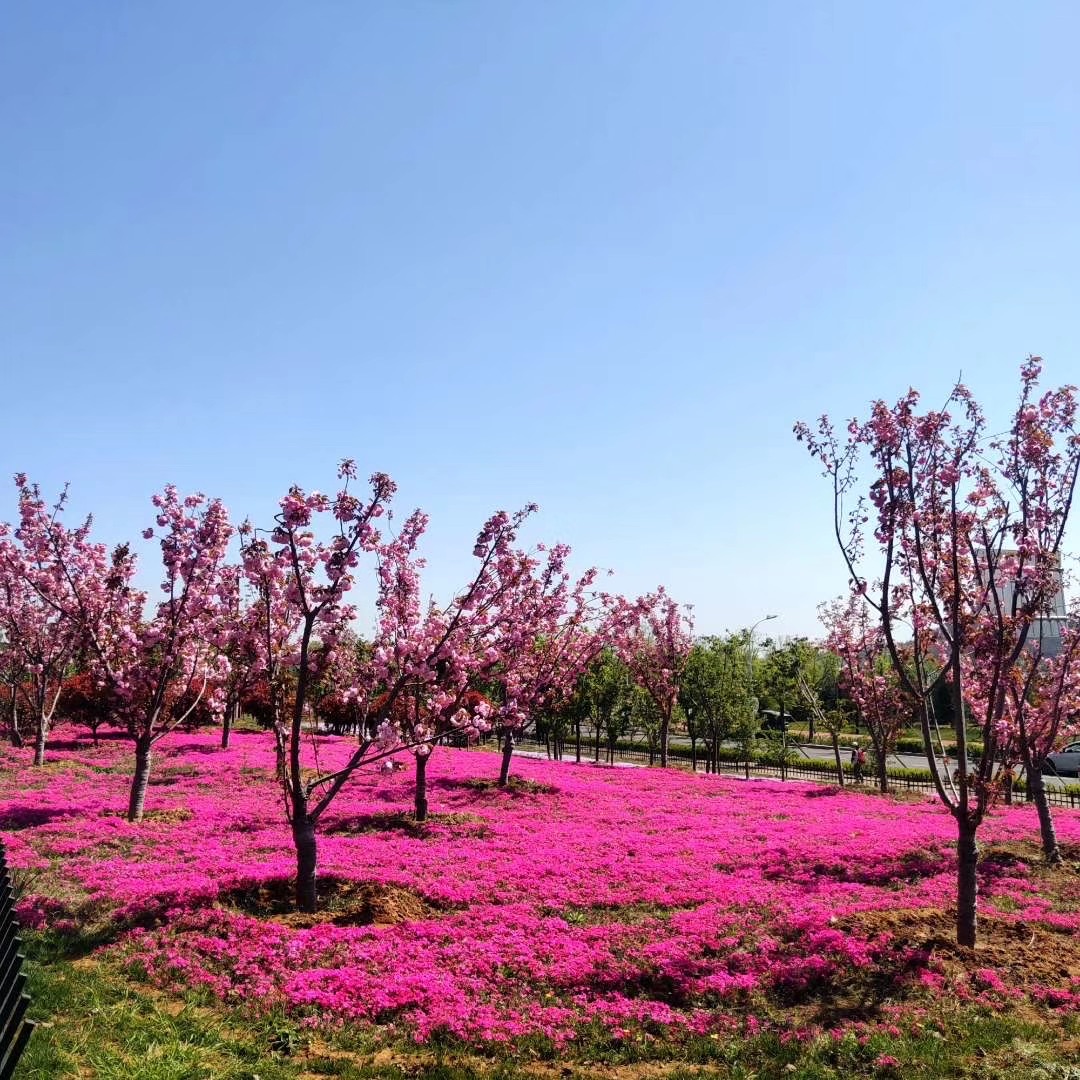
x,y
15,1029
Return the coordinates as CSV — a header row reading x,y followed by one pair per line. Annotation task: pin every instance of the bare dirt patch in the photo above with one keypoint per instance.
x,y
1023,953
170,815
342,903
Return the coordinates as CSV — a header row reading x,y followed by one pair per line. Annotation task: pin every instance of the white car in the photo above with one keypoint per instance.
x,y
1065,762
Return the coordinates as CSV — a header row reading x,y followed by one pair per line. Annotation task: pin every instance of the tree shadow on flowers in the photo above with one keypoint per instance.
x,y
436,827
516,787
80,743
14,818
885,872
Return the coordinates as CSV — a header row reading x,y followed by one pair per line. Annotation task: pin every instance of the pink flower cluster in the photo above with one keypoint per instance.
x,y
581,895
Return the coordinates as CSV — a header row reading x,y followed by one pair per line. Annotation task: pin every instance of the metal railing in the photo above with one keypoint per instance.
x,y
824,773
15,1029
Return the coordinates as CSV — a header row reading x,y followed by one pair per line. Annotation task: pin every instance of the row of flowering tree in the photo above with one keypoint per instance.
x,y
955,546
64,597
273,629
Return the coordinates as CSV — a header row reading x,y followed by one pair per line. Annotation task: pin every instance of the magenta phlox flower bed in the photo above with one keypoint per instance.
x,y
582,895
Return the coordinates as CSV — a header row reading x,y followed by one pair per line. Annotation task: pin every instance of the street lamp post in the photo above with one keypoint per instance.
x,y
750,670
750,645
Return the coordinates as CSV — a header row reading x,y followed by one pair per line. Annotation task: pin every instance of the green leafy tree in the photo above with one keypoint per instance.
x,y
717,694
605,686
646,716
790,665
809,681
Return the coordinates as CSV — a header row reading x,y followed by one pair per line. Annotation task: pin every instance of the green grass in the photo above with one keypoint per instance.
x,y
93,1022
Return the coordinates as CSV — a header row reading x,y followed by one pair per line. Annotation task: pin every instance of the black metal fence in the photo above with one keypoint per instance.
x,y
822,772
15,1029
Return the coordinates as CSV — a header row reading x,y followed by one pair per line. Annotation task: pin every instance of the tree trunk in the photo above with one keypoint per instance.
x,y
967,885
279,747
16,734
665,724
137,798
577,740
421,787
39,742
507,754
836,755
596,756
693,753
303,831
1037,787
232,713
810,733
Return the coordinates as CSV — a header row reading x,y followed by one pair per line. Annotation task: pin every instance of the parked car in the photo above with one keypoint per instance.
x,y
1065,762
773,721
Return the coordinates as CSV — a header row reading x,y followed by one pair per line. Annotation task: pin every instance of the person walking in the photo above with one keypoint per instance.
x,y
858,760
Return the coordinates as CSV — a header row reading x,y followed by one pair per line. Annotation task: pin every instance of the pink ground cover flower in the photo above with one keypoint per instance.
x,y
633,899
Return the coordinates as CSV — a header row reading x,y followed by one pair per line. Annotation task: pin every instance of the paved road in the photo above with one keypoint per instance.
x,y
901,761
814,752
821,752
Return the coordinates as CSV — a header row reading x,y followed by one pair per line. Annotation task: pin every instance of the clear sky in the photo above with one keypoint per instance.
x,y
597,255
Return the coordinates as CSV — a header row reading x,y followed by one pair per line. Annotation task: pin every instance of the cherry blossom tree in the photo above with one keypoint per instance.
x,y
301,611
12,676
346,678
656,647
562,626
522,623
265,638
44,644
83,700
41,562
305,582
162,667
237,648
867,676
418,680
966,530
1042,705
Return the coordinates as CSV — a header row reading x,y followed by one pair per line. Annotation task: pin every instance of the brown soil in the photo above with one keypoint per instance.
x,y
516,785
1023,953
343,903
165,816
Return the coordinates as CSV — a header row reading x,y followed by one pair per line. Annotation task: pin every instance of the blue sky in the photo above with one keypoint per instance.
x,y
600,256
